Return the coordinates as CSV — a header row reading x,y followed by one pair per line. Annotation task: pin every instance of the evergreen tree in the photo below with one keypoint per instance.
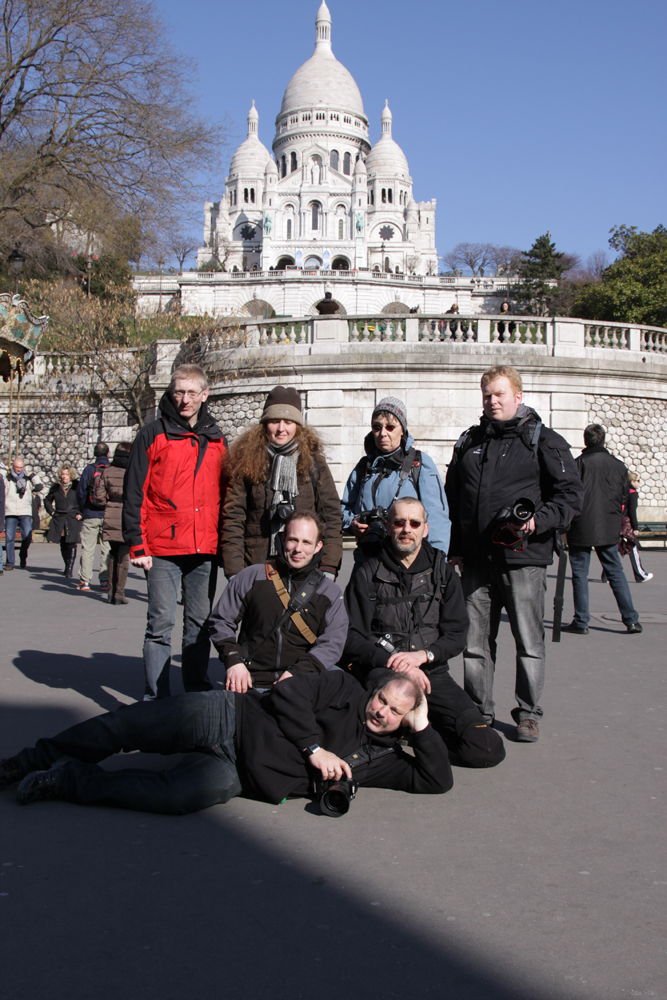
x,y
540,270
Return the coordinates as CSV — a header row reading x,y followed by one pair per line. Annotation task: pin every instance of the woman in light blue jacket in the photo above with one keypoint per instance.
x,y
392,468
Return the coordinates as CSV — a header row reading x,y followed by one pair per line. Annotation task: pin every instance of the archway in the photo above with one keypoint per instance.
x,y
340,310
284,262
396,309
312,264
340,264
258,309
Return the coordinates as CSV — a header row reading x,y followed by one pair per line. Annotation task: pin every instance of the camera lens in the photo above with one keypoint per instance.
x,y
335,801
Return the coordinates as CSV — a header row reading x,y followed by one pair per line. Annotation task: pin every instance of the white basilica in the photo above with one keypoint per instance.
x,y
326,199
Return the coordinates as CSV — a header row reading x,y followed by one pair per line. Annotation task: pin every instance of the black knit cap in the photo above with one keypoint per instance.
x,y
283,403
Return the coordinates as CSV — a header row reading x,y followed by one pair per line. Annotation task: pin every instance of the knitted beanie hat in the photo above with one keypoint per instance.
x,y
283,403
391,404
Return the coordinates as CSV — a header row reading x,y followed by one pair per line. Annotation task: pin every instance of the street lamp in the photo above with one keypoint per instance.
x,y
16,259
89,268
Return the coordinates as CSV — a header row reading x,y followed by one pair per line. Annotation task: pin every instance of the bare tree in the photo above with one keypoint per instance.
x,y
182,247
597,263
506,260
411,263
432,267
475,256
95,108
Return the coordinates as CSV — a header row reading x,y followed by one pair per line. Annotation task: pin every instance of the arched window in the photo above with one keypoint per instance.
x,y
245,195
372,196
384,195
289,229
334,159
340,229
390,196
292,162
347,164
315,211
252,195
387,266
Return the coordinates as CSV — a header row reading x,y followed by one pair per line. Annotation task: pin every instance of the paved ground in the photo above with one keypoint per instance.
x,y
544,878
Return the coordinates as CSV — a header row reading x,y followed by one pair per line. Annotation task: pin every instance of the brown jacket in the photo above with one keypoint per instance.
x,y
245,526
109,494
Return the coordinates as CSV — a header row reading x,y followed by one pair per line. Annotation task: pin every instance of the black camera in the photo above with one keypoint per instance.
x,y
376,516
519,513
285,510
386,641
334,796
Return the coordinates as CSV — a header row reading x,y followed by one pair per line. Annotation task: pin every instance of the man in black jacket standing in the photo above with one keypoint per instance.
x,y
407,616
270,747
606,493
509,456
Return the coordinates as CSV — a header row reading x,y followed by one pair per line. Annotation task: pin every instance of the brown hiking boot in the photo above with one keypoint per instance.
x,y
527,731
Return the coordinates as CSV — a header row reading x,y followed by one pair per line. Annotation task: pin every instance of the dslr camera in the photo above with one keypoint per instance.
x,y
285,510
334,796
519,513
375,517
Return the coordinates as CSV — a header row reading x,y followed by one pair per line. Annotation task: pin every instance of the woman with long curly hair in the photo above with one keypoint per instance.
x,y
276,467
65,527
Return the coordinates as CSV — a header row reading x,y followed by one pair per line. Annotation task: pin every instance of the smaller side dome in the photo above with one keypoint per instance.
x,y
360,167
386,158
251,158
271,168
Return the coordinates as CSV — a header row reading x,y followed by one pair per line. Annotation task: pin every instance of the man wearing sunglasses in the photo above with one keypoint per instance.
x,y
407,615
171,509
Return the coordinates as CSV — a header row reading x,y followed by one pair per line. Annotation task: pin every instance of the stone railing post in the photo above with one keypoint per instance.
x,y
483,331
165,355
328,335
635,338
411,329
568,338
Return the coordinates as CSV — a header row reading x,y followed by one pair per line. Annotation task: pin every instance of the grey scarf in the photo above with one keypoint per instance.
x,y
283,483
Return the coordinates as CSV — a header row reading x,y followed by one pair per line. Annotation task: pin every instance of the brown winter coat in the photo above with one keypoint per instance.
x,y
245,526
109,494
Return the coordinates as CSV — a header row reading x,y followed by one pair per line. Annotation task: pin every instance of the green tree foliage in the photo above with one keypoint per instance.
x,y
634,288
540,269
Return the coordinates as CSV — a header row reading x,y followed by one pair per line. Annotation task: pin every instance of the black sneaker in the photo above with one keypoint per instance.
x,y
11,770
634,628
39,785
574,629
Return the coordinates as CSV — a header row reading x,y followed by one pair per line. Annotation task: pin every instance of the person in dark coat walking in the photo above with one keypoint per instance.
x,y
61,503
109,496
630,547
606,493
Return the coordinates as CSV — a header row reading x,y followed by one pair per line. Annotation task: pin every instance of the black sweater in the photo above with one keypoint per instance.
x,y
451,618
327,708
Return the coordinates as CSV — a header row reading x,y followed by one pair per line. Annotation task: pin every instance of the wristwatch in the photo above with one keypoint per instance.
x,y
430,657
309,751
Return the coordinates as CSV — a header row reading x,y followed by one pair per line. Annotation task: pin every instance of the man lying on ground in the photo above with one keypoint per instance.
x,y
269,747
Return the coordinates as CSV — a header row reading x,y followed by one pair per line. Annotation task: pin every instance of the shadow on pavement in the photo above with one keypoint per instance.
x,y
148,907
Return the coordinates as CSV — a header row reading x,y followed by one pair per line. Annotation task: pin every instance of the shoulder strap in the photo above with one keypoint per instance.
x,y
406,470
464,442
299,601
415,472
535,439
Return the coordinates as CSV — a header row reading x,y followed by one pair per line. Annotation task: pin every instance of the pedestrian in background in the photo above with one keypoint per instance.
x,y
628,544
93,516
109,496
606,495
275,468
61,503
18,493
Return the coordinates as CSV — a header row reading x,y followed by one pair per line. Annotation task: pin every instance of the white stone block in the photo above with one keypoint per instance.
x,y
325,398
569,419
324,417
568,401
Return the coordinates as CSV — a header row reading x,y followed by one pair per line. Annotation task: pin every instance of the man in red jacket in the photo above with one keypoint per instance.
x,y
171,505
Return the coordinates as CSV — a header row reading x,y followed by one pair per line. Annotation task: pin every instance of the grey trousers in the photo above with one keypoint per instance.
x,y
520,591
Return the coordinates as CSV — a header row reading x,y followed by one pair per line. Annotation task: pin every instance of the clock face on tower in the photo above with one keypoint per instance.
x,y
387,233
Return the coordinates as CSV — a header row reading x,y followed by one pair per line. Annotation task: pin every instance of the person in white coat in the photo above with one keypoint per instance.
x,y
18,490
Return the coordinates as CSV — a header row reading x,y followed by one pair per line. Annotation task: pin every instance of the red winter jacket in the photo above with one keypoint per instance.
x,y
171,493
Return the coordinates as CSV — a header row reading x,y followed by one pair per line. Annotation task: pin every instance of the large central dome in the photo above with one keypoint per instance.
x,y
322,80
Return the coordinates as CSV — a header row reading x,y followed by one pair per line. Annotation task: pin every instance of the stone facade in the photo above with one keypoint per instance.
x,y
637,434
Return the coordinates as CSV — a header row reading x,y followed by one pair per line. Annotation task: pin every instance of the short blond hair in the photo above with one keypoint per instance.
x,y
503,371
189,372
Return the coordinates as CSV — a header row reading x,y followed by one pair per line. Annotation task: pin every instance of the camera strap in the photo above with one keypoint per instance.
x,y
293,606
367,754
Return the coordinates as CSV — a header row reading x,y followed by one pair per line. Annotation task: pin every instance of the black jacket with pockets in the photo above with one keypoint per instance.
x,y
606,492
494,466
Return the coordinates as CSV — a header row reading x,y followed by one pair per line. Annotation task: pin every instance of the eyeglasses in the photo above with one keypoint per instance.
x,y
188,394
403,521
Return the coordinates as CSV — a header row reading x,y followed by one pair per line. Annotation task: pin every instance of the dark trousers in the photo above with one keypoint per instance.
x,y
458,720
119,565
200,724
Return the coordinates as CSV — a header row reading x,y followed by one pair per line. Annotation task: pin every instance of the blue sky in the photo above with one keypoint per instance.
x,y
519,117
